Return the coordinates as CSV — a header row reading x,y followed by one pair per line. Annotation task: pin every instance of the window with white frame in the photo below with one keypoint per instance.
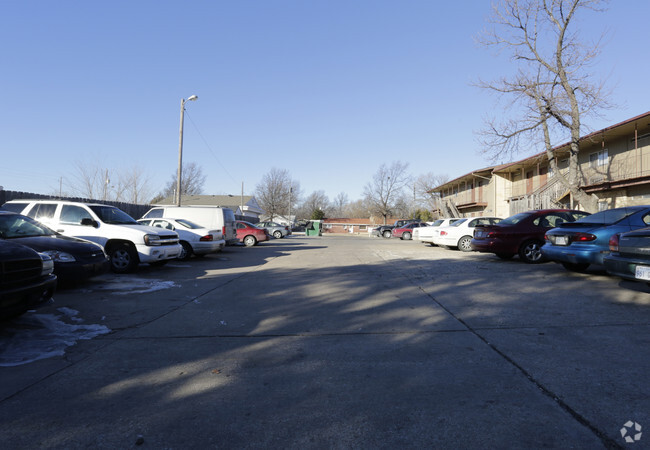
x,y
598,159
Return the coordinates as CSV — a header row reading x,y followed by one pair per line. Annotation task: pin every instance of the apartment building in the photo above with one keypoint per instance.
x,y
614,164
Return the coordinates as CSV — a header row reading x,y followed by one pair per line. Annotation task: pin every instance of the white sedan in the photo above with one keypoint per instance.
x,y
460,233
195,239
426,234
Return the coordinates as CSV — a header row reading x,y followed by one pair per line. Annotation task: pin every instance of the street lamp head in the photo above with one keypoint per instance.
x,y
192,97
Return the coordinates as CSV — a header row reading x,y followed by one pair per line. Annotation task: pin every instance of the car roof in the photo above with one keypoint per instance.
x,y
53,200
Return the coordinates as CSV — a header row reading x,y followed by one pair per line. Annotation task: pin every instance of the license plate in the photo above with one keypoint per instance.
x,y
642,272
561,240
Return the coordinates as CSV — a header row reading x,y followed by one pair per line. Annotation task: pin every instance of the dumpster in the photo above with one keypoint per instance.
x,y
314,228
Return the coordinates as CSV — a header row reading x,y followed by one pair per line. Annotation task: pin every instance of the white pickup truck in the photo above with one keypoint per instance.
x,y
126,242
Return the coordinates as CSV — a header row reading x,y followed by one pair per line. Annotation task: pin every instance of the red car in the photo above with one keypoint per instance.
x,y
249,234
521,234
406,231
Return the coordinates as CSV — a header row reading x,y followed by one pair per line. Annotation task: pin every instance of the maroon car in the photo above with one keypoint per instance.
x,y
406,231
521,234
249,234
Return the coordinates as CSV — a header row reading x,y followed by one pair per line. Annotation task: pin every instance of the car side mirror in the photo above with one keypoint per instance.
x,y
89,223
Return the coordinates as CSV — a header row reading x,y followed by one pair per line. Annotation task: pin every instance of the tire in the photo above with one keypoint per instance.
x,y
465,244
250,241
530,252
277,234
387,234
124,258
186,252
406,236
505,256
575,267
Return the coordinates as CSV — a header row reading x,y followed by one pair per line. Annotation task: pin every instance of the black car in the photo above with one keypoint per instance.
x,y
74,259
26,279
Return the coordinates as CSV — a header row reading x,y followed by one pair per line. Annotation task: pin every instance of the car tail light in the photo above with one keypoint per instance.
x,y
546,238
613,243
207,237
223,230
583,237
493,234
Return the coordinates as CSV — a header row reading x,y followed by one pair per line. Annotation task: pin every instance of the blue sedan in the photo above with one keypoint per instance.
x,y
577,245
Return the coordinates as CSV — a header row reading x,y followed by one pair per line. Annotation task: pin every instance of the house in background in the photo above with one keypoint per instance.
x,y
614,164
244,206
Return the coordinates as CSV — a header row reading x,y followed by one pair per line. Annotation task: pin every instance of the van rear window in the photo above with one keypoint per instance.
x,y
155,213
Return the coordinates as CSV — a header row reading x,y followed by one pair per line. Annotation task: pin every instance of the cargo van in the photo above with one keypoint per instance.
x,y
212,217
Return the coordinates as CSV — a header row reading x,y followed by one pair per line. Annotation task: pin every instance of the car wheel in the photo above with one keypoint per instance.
x,y
406,236
465,244
575,267
387,234
124,258
186,251
530,252
505,255
277,234
250,241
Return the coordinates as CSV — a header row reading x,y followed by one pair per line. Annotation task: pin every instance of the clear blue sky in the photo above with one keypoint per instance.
x,y
328,90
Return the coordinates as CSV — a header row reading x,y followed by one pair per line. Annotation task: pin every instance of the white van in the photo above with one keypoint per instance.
x,y
212,217
126,242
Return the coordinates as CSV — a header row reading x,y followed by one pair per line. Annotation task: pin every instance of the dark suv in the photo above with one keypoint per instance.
x,y
386,230
26,279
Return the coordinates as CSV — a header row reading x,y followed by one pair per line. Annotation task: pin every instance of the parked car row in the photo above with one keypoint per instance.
x,y
618,239
45,242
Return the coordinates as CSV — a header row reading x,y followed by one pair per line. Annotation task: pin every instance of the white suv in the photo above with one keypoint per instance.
x,y
126,242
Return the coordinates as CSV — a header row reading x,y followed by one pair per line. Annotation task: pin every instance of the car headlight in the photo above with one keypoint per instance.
x,y
59,256
151,239
48,264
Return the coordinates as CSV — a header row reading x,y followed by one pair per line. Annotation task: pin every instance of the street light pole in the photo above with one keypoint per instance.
x,y
180,150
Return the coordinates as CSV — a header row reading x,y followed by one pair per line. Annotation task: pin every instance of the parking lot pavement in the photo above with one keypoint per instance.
x,y
345,342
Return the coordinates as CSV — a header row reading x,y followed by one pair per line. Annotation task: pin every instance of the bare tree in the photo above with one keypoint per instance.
x,y
357,209
89,181
316,201
423,185
385,193
552,86
277,193
135,186
192,181
338,205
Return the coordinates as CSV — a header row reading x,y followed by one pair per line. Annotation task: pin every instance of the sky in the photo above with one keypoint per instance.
x,y
327,90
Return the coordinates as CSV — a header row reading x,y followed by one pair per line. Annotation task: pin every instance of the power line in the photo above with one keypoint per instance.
x,y
209,148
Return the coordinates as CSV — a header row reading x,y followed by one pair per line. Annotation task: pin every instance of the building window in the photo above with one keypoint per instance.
x,y
598,159
363,227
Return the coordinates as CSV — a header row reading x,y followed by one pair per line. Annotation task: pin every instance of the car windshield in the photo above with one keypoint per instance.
x,y
112,215
18,226
188,224
458,223
608,217
514,220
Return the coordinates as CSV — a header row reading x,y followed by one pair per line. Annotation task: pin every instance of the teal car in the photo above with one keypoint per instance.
x,y
577,245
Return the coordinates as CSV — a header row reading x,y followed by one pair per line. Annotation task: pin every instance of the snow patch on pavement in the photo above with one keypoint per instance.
x,y
31,337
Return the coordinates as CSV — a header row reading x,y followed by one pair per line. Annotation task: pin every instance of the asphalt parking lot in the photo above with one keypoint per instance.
x,y
333,342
